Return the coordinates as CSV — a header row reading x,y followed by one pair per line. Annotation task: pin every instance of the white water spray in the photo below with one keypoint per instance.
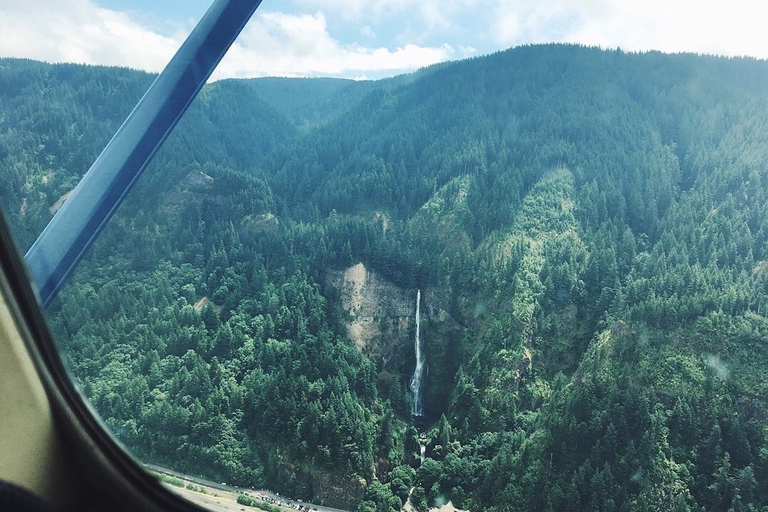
x,y
418,373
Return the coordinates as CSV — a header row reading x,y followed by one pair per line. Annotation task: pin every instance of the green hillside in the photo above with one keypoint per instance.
x,y
309,102
588,228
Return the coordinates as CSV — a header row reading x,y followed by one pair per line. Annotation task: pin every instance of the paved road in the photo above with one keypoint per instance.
x,y
213,503
226,501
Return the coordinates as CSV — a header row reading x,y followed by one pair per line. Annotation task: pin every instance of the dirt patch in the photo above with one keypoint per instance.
x,y
60,201
205,301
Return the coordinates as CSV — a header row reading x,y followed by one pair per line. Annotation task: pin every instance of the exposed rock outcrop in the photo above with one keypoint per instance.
x,y
381,322
380,315
194,188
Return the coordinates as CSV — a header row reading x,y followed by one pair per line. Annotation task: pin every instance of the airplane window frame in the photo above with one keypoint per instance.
x,y
109,475
111,478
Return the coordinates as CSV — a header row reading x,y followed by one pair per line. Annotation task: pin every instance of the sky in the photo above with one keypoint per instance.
x,y
371,38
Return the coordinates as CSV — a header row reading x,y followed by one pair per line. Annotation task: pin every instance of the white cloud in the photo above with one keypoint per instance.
x,y
78,31
732,28
280,44
356,10
430,15
393,35
272,43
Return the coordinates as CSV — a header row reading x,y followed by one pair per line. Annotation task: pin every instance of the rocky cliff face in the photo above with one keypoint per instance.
x,y
380,316
194,188
381,322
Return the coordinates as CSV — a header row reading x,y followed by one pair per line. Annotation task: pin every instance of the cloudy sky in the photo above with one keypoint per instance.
x,y
371,38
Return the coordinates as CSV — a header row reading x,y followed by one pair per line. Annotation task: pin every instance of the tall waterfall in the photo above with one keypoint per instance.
x,y
418,372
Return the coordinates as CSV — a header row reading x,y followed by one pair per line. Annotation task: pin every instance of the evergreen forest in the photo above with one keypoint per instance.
x,y
588,229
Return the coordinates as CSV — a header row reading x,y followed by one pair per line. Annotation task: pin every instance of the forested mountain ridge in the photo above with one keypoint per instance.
x,y
311,102
589,229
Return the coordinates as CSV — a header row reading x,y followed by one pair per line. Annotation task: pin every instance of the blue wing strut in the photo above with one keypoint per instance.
x,y
69,234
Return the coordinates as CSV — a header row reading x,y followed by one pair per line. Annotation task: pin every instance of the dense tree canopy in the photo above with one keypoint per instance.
x,y
596,222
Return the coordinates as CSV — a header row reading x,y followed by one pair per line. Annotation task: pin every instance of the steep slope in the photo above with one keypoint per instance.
x,y
655,229
311,102
56,118
588,230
